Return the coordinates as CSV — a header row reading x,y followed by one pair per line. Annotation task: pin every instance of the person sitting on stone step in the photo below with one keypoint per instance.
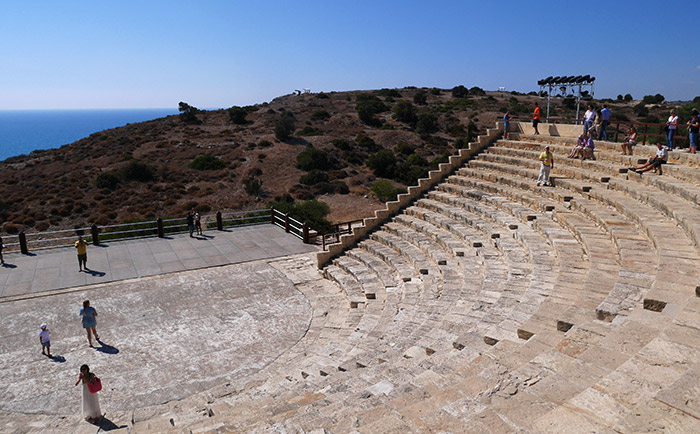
x,y
588,148
630,140
580,143
654,162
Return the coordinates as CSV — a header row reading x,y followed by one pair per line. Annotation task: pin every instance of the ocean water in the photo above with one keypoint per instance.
x,y
23,131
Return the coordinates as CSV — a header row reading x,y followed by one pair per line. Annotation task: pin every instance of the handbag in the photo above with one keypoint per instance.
x,y
666,129
95,386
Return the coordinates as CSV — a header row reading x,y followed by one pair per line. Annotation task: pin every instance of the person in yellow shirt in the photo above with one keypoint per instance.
x,y
547,163
81,247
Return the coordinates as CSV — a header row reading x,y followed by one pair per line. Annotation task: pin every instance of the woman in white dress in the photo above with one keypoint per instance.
x,y
91,404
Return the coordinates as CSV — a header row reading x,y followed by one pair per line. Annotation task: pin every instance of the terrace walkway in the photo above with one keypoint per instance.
x,y
48,270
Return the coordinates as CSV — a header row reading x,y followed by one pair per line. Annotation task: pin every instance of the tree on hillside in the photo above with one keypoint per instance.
x,y
628,98
237,115
460,91
367,106
284,126
404,112
188,113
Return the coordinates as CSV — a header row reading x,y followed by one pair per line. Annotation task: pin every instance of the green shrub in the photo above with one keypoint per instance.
x,y
427,124
322,95
137,171
385,191
404,112
367,106
435,91
207,162
320,115
404,148
641,110
341,144
311,212
389,93
383,163
420,97
312,158
237,115
460,91
252,186
476,91
366,143
108,180
628,98
314,177
309,131
284,126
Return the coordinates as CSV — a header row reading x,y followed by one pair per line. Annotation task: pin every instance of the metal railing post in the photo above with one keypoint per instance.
x,y
272,216
286,222
23,243
95,234
305,233
219,221
159,226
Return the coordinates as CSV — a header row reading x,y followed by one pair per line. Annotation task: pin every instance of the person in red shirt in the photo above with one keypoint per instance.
x,y
536,118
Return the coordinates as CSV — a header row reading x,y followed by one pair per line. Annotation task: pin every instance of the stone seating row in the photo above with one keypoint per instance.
x,y
442,372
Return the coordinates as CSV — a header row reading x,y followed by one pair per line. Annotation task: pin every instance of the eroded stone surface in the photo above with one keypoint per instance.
x,y
168,338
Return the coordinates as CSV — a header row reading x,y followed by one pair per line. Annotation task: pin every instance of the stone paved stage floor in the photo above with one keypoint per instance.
x,y
167,337
55,269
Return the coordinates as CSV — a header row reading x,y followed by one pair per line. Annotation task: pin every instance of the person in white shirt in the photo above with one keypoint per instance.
x,y
654,162
45,340
588,119
672,125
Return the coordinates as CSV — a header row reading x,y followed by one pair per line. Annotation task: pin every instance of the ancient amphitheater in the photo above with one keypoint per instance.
x,y
486,304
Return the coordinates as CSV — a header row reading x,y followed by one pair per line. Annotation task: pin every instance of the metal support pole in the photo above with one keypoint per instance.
x,y
305,233
286,222
272,216
219,221
159,227
95,234
23,243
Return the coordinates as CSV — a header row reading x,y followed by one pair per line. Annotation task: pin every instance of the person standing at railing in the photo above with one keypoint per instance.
x,y
198,223
81,247
536,118
605,114
190,223
693,129
671,126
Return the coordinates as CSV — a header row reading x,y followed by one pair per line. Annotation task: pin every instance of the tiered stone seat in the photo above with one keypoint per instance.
x,y
494,305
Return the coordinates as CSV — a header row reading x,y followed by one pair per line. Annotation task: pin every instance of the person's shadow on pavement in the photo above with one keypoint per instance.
x,y
106,348
6,265
94,272
107,425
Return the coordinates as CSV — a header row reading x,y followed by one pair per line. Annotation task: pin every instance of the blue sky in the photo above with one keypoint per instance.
x,y
138,54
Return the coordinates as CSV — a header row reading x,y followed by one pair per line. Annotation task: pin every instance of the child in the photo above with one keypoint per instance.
x,y
45,340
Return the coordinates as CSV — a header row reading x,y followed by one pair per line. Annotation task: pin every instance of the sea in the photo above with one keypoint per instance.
x,y
24,131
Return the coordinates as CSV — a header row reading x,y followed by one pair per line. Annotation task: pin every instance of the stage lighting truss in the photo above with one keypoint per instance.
x,y
578,86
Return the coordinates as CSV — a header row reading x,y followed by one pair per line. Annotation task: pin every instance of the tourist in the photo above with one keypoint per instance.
x,y
654,162
89,314
588,119
605,114
2,246
198,223
546,165
506,124
693,129
190,223
671,126
588,148
536,118
90,408
629,141
81,247
580,143
45,340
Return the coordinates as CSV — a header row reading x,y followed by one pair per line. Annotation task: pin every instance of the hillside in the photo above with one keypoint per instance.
x,y
142,171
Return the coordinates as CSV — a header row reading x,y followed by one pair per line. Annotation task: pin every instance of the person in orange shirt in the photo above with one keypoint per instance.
x,y
536,118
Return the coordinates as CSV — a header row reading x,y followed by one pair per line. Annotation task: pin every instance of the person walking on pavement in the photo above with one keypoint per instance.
x,y
89,318
45,340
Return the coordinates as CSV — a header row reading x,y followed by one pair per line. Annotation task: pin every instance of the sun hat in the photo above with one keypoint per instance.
x,y
43,326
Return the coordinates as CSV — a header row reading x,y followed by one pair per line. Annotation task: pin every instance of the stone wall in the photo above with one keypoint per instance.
x,y
391,208
560,130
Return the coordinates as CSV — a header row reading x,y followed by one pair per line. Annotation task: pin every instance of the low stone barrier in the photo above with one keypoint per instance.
x,y
391,208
